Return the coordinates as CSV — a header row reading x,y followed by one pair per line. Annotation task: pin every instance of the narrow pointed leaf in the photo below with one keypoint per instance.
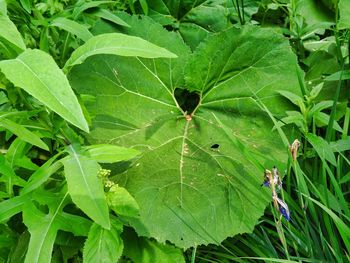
x,y
37,73
43,226
23,133
13,206
41,175
72,27
343,228
87,5
322,148
117,44
43,230
105,14
85,188
8,30
105,153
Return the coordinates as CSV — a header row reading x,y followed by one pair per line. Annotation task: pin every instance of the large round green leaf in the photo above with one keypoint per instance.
x,y
198,179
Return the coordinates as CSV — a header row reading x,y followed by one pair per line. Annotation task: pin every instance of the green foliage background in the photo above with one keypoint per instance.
x,y
140,131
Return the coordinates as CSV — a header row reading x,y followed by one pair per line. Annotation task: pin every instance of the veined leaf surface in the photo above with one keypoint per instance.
x,y
37,73
117,44
85,188
72,27
8,30
104,245
188,192
43,227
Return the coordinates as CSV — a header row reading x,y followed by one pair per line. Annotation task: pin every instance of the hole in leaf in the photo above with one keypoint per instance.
x,y
42,207
186,99
215,146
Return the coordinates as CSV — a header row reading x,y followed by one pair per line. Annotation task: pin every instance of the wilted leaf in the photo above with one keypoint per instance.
x,y
189,193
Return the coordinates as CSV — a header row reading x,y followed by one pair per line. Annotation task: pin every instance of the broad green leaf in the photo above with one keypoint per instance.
x,y
8,30
117,44
85,188
187,192
143,250
105,14
322,148
195,20
121,202
312,12
72,27
43,227
23,133
3,7
106,153
344,12
37,73
104,245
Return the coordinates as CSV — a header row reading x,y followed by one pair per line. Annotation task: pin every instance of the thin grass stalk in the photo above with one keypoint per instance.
x,y
330,130
242,10
193,256
237,8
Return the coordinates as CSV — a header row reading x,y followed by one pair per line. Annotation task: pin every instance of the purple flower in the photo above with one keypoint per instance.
x,y
284,210
266,183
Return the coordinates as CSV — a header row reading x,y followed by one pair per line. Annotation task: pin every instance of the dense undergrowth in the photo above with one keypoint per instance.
x,y
174,131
